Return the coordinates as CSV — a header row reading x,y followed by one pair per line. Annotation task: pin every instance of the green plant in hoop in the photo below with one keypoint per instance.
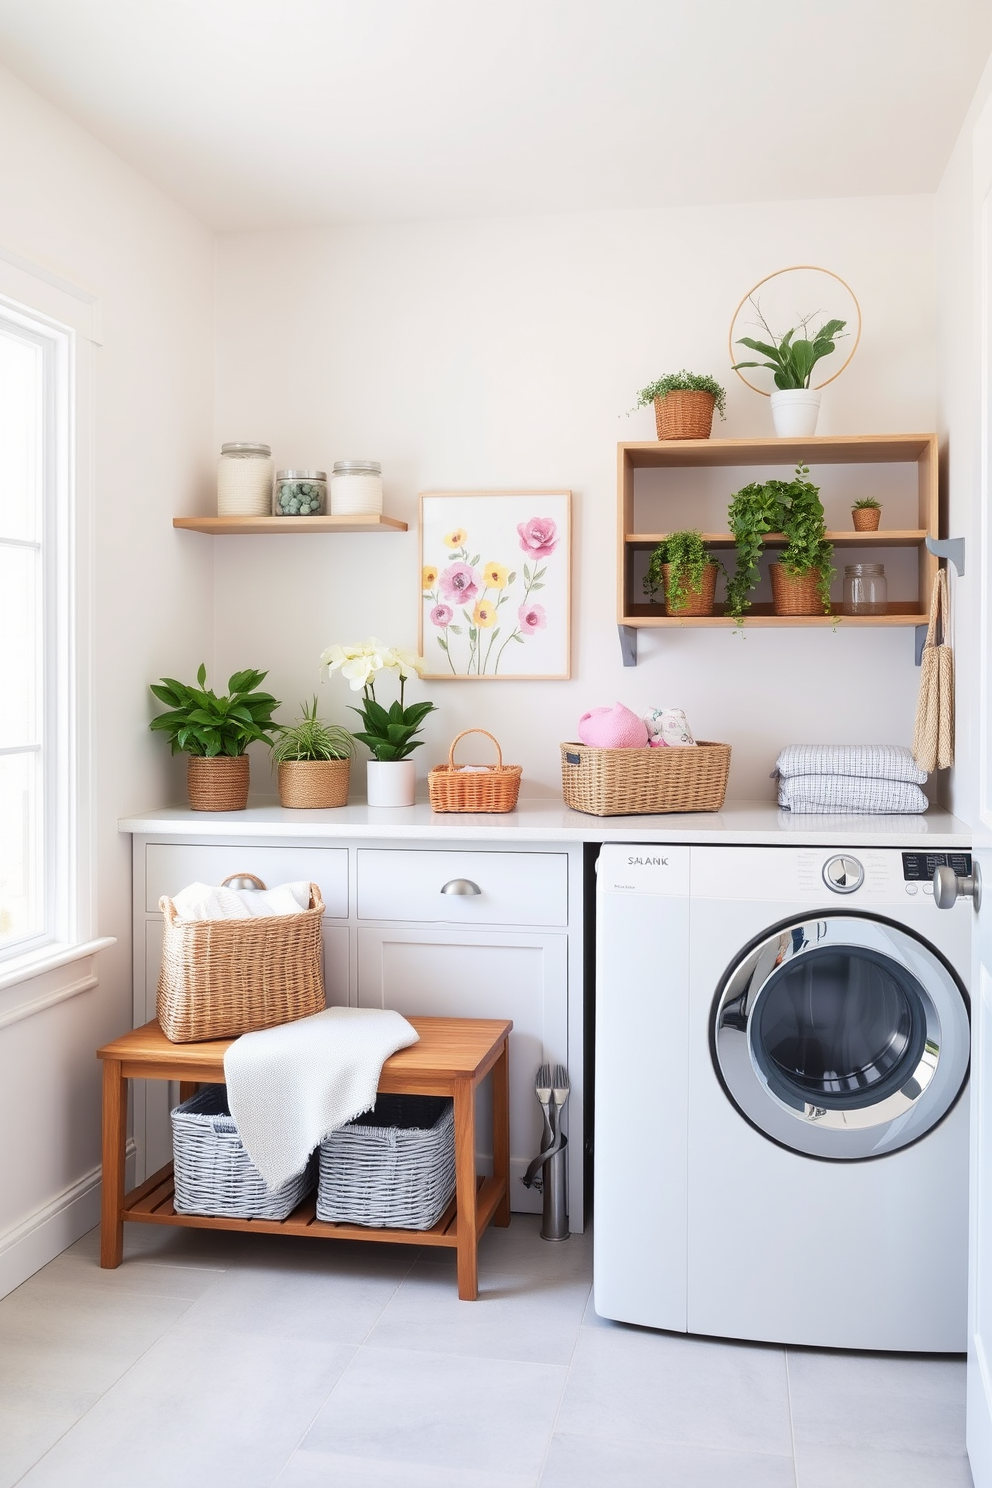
x,y
790,507
683,382
309,739
687,557
201,723
793,356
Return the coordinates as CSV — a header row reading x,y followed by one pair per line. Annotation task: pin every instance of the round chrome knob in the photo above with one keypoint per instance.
x,y
460,886
843,874
948,886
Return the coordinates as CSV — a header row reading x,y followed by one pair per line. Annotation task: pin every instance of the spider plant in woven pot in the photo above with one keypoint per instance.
x,y
866,514
683,404
215,733
801,578
313,761
684,569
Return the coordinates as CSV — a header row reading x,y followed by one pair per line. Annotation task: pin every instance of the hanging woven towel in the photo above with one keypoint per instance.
x,y
933,739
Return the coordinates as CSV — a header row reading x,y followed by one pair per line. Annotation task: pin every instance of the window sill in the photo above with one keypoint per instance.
x,y
42,966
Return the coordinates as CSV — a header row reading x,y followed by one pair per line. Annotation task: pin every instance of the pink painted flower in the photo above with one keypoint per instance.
x,y
538,537
531,617
460,582
442,615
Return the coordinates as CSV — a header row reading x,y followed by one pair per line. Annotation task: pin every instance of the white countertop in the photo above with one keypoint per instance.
x,y
545,821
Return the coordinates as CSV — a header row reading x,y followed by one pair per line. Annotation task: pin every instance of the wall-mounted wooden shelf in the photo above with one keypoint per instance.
x,y
271,526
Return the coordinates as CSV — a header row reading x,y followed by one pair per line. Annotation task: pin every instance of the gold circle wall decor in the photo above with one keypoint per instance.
x,y
788,296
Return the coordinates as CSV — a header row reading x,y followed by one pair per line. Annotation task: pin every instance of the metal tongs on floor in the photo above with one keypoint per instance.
x,y
547,1172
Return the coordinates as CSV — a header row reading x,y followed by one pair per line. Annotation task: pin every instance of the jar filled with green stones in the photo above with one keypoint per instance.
x,y
299,493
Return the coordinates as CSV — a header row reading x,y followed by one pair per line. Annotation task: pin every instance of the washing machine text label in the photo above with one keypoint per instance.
x,y
648,862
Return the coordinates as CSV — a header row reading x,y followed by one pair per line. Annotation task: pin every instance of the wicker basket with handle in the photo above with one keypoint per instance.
x,y
494,788
221,978
633,782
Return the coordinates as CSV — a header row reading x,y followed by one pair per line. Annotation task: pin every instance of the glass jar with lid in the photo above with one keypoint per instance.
x,y
865,589
244,480
299,493
356,488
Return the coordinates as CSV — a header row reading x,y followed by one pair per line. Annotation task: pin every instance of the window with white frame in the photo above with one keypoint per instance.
x,y
35,617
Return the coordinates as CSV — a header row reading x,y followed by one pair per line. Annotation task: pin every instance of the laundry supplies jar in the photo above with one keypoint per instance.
x,y
244,480
356,488
866,591
299,493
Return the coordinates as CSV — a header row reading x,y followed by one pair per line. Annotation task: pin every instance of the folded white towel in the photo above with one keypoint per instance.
x,y
290,1087
874,761
200,901
823,794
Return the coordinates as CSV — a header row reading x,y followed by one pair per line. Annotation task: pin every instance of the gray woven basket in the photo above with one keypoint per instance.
x,y
213,1172
393,1167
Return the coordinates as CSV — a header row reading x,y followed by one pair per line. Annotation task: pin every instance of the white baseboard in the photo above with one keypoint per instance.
x,y
28,1246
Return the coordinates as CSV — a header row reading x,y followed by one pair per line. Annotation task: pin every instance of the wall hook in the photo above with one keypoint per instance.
x,y
951,548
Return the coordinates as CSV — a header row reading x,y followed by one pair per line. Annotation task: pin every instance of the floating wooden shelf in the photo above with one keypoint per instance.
x,y
271,526
909,538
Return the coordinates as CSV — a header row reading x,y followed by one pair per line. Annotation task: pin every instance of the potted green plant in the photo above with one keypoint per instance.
x,y
791,358
866,514
390,733
313,760
686,571
215,733
801,577
683,404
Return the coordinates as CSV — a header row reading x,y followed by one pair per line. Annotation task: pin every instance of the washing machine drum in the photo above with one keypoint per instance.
x,y
842,1037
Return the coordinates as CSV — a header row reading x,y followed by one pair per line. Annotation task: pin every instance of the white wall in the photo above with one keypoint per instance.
x,y
70,206
505,354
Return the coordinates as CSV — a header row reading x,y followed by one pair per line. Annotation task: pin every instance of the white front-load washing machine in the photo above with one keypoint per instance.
x,y
782,1044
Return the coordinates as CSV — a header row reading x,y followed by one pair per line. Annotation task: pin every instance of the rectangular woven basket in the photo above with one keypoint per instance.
x,y
221,978
634,782
213,1172
394,1166
493,788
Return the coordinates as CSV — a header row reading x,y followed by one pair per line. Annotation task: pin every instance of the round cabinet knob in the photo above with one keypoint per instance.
x,y
843,874
460,886
948,886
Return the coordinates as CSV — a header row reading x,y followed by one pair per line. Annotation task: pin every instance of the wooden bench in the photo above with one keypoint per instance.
x,y
452,1057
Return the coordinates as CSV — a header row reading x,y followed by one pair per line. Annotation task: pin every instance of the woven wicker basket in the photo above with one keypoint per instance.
x,y
696,601
394,1166
684,415
866,518
795,594
633,782
219,784
221,978
495,789
213,1172
314,784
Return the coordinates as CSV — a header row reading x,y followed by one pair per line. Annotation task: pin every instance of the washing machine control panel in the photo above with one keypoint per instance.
x,y
919,867
843,874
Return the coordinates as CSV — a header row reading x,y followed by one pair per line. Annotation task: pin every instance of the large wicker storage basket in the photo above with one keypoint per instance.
x,y
213,1172
394,1166
221,978
492,789
632,782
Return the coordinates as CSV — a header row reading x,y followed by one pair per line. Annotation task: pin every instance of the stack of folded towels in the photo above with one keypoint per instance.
x,y
863,778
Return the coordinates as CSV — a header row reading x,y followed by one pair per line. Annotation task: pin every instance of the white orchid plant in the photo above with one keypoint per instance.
x,y
389,732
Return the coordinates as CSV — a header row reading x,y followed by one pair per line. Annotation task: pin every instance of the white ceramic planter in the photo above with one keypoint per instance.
x,y
391,782
795,411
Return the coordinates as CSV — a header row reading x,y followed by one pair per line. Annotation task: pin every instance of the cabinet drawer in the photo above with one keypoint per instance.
x,y
170,868
515,888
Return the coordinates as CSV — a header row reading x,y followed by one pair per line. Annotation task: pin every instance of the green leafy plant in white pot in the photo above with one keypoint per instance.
x,y
791,359
313,761
390,733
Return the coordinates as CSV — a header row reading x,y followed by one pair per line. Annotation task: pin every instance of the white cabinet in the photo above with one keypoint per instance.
x,y
503,888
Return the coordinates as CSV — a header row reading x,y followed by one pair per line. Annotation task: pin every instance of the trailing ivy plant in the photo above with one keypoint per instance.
x,y
684,382
793,356
791,507
201,723
687,557
309,739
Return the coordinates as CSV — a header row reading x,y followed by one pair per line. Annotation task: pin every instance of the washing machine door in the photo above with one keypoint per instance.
x,y
842,1036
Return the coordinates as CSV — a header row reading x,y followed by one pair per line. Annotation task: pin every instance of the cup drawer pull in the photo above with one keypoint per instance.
x,y
460,886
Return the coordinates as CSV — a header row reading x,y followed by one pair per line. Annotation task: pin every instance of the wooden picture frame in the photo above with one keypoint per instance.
x,y
485,557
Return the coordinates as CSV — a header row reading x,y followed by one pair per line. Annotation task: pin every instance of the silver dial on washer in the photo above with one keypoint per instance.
x,y
843,874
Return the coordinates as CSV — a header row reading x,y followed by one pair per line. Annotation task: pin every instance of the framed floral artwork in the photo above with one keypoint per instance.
x,y
495,585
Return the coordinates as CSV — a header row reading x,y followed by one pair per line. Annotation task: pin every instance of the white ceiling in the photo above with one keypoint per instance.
x,y
263,113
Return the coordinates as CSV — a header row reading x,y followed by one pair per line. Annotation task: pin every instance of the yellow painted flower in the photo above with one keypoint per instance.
x,y
495,575
456,539
429,576
484,613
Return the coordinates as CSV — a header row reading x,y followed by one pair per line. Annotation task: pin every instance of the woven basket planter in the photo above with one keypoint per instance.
x,y
314,784
795,594
213,1172
684,415
632,782
491,790
866,518
219,784
696,601
394,1166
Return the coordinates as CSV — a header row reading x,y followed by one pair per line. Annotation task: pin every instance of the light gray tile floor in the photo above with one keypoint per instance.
x,y
259,1362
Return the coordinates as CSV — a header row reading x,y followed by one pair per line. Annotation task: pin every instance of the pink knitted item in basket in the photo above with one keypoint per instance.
x,y
613,728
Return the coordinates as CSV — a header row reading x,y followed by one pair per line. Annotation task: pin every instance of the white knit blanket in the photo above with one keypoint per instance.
x,y
289,1087
823,794
871,761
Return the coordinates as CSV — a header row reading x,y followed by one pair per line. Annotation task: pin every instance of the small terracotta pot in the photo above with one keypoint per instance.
x,y
866,518
684,415
219,784
314,784
795,595
697,601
